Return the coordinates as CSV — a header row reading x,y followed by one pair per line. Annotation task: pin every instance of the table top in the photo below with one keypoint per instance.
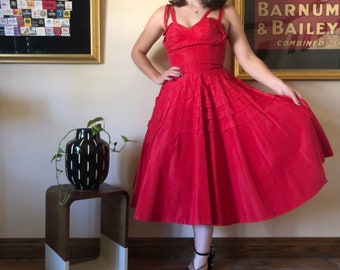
x,y
75,195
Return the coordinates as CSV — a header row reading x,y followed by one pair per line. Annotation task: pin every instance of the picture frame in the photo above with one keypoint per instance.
x,y
296,39
77,41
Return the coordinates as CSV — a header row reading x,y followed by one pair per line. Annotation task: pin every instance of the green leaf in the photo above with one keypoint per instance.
x,y
94,121
125,139
96,129
57,157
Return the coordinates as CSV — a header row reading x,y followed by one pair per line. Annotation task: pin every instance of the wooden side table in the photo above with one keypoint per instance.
x,y
114,229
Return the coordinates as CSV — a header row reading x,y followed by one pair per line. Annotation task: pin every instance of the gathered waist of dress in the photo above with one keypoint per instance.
x,y
196,59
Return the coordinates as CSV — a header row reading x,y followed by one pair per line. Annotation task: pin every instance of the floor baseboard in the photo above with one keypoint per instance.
x,y
237,247
164,248
34,248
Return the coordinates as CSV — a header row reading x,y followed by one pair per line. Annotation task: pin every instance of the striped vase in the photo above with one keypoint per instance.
x,y
87,159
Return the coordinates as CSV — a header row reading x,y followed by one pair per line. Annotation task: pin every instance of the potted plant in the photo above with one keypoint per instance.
x,y
87,158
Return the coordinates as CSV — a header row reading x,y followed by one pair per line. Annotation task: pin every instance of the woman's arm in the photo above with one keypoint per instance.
x,y
250,62
151,33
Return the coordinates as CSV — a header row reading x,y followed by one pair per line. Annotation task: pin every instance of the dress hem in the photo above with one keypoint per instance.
x,y
261,219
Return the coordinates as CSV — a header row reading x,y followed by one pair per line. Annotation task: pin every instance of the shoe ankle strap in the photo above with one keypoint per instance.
x,y
201,254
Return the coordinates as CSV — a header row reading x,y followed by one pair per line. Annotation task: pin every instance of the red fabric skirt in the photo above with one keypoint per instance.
x,y
219,152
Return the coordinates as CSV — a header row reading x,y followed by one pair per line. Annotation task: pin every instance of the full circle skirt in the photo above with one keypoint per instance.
x,y
218,151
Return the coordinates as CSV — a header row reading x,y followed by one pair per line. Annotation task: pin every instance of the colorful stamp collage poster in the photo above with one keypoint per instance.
x,y
35,18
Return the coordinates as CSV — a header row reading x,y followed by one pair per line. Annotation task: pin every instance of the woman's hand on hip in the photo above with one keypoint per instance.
x,y
169,74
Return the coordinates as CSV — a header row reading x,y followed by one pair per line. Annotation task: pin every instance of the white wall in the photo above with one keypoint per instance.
x,y
39,103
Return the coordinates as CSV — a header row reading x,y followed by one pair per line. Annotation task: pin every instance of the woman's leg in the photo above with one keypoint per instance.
x,y
202,240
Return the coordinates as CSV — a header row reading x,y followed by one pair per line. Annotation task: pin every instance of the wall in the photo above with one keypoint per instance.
x,y
39,103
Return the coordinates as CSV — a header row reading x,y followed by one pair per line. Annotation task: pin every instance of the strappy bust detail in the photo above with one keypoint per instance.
x,y
166,16
220,14
206,14
169,10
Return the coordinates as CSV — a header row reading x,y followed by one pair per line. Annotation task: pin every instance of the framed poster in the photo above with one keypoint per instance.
x,y
50,31
296,39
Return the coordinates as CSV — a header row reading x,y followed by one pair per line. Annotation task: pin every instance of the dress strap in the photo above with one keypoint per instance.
x,y
206,14
169,10
166,16
172,13
220,14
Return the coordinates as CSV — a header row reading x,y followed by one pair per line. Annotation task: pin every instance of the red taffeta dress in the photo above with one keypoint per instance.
x,y
217,151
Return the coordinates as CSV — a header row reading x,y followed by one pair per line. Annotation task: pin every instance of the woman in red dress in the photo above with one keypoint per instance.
x,y
218,151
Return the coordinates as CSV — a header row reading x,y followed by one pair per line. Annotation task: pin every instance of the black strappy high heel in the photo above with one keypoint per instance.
x,y
210,261
211,258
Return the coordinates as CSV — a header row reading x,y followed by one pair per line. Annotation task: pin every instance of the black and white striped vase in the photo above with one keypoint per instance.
x,y
87,159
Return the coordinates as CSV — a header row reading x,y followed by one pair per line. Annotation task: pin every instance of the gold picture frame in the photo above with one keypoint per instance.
x,y
294,63
82,46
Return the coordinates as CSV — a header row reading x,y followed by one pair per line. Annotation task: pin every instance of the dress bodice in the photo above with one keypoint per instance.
x,y
197,48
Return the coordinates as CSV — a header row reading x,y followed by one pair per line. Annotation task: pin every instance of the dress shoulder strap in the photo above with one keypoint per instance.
x,y
220,14
169,10
206,14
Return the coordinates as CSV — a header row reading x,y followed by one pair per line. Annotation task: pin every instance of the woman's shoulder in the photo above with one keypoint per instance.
x,y
230,13
229,9
161,9
158,15
230,17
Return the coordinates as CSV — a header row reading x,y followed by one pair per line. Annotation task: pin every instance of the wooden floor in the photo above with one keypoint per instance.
x,y
220,264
